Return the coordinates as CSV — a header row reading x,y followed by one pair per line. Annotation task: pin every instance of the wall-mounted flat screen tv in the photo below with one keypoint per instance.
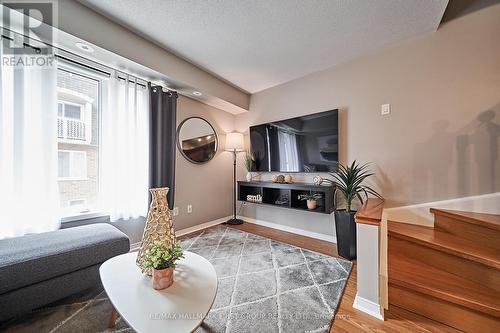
x,y
304,144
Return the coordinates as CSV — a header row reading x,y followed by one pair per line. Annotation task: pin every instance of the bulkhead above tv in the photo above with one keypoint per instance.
x,y
304,144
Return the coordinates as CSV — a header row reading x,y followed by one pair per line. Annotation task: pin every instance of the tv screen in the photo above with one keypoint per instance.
x,y
303,144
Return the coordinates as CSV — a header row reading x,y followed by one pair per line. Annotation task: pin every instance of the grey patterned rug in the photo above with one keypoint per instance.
x,y
264,286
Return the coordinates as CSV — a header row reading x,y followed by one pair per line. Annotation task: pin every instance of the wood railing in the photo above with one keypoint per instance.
x,y
370,212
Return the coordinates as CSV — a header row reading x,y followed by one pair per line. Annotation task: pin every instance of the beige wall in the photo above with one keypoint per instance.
x,y
441,140
438,143
207,187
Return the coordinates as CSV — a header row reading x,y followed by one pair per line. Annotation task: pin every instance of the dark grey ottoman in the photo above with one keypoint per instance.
x,y
38,269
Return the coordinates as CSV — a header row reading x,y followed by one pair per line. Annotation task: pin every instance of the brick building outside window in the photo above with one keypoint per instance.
x,y
78,141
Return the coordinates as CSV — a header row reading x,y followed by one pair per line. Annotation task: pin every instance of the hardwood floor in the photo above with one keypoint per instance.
x,y
347,318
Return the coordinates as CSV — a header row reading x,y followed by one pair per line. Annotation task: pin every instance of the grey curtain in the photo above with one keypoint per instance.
x,y
162,140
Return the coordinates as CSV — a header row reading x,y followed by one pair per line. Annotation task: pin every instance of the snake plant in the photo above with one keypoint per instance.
x,y
348,180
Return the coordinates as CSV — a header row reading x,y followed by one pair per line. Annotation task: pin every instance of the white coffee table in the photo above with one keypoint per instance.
x,y
179,308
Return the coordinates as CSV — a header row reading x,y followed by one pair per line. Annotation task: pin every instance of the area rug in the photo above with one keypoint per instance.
x,y
263,286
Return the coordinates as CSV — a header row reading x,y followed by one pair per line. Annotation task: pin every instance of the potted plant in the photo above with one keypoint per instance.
x,y
312,199
161,259
348,180
249,160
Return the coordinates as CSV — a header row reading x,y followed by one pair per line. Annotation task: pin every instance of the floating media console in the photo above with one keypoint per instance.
x,y
287,195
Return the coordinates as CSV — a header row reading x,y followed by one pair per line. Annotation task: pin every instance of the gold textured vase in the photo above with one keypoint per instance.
x,y
159,225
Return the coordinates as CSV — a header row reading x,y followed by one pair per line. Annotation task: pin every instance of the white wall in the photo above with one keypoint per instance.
x,y
82,22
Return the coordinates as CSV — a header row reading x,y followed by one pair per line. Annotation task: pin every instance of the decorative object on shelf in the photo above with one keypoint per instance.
x,y
197,140
348,180
254,198
161,259
286,195
249,161
159,225
278,178
312,199
317,180
282,200
234,144
288,179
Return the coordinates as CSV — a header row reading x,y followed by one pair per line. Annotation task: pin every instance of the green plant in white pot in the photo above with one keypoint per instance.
x,y
348,181
161,259
249,161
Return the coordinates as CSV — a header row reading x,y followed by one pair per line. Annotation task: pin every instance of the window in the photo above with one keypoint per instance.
x,y
71,118
289,154
78,120
70,111
77,202
72,165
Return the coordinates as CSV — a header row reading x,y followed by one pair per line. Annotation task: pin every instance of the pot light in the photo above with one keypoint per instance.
x,y
197,93
85,47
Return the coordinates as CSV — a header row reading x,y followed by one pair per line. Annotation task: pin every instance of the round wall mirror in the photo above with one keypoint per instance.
x,y
197,140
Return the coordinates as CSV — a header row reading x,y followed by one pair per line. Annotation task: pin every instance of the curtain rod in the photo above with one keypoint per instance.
x,y
82,64
70,55
107,73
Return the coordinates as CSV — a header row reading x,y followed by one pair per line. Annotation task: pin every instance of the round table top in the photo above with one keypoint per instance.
x,y
179,308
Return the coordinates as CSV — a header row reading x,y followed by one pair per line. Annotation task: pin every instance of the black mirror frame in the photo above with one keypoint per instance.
x,y
179,141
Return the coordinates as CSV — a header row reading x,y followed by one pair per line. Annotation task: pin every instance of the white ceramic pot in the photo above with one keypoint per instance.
x,y
249,176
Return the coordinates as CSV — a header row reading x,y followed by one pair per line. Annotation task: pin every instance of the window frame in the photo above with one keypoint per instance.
x,y
70,63
71,166
101,78
72,200
79,105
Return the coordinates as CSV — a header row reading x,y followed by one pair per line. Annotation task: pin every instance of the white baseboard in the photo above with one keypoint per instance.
x,y
185,231
312,234
198,227
368,307
135,246
208,224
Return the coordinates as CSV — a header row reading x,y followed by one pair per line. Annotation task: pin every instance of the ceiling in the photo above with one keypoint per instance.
x,y
259,44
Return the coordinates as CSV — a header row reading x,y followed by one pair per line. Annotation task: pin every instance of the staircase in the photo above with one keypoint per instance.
x,y
449,273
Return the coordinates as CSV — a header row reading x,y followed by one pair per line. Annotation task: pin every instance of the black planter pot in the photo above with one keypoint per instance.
x,y
346,234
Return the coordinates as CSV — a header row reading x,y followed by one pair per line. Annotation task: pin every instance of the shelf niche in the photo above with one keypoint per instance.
x,y
287,195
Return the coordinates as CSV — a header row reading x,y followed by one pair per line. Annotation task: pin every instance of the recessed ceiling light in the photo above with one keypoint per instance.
x,y
85,47
197,93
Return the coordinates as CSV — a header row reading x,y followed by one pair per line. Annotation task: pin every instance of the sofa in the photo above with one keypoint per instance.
x,y
38,269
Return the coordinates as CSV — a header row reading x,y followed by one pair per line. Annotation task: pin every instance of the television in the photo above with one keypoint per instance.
x,y
308,143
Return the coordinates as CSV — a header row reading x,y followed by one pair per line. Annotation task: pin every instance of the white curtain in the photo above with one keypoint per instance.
x,y
125,150
289,155
29,197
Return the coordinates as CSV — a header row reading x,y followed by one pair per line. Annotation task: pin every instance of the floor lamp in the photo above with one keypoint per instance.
x,y
234,144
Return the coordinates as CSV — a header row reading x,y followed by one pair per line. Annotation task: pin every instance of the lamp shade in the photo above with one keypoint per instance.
x,y
234,141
